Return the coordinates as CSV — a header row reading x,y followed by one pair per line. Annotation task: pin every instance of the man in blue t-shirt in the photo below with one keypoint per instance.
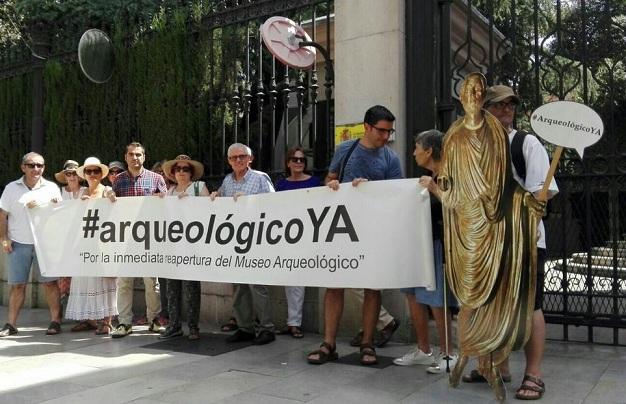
x,y
365,159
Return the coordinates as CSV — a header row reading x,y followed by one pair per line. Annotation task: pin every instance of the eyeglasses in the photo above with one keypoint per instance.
x,y
114,172
92,171
237,157
185,169
387,131
297,159
503,105
33,165
70,173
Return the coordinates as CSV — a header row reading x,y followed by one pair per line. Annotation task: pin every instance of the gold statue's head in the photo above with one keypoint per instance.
x,y
473,92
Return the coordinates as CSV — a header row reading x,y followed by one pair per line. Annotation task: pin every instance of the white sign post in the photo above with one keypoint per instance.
x,y
565,124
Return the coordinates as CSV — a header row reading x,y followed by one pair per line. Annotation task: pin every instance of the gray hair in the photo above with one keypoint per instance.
x,y
29,155
431,139
239,146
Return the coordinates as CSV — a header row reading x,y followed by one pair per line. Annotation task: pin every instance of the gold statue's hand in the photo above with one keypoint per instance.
x,y
537,206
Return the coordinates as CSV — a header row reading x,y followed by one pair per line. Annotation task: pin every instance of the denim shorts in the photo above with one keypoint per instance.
x,y
20,261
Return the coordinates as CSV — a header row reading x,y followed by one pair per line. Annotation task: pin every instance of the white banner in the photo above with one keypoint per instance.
x,y
376,235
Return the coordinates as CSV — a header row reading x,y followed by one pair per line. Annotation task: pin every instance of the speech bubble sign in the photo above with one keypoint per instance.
x,y
568,124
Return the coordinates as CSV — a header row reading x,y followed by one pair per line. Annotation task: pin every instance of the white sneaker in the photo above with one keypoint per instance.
x,y
440,365
416,357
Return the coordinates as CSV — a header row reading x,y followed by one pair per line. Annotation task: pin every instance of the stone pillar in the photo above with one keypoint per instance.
x,y
370,69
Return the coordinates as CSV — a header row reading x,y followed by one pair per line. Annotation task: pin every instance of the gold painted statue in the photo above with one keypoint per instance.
x,y
490,238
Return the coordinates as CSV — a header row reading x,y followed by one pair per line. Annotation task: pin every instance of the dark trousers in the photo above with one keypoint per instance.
x,y
191,291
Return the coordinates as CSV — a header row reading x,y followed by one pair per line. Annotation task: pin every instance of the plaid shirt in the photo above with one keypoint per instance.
x,y
253,182
146,183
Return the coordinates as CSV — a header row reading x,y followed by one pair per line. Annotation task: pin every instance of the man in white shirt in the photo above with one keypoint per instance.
x,y
30,191
501,102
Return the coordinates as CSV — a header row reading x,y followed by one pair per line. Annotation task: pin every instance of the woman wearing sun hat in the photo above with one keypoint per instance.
x,y
72,189
93,299
185,172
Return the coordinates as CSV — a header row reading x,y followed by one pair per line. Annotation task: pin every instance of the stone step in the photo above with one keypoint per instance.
x,y
608,251
607,260
596,270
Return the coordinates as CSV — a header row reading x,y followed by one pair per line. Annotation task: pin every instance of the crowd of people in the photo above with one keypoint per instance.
x,y
94,302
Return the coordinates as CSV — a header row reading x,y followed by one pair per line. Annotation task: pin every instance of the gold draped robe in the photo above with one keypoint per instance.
x,y
490,238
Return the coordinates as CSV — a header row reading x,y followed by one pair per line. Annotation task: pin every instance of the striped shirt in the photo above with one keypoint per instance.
x,y
146,183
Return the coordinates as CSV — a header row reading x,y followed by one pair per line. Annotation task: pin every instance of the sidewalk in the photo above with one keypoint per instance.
x,y
82,367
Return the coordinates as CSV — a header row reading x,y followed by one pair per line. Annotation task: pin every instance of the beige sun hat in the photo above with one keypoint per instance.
x,y
90,162
69,165
198,168
499,93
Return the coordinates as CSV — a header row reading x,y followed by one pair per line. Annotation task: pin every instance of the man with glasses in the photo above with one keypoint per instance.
x,y
137,181
246,181
29,191
529,171
365,159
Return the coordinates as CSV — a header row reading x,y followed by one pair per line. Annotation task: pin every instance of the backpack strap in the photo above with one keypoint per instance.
x,y
344,162
517,155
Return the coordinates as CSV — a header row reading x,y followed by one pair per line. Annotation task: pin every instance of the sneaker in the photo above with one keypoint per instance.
x,y
171,332
7,330
155,326
194,333
416,357
440,365
122,330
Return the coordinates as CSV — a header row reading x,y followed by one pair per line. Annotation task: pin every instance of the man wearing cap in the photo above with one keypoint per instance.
x,y
115,167
137,181
29,191
246,181
530,172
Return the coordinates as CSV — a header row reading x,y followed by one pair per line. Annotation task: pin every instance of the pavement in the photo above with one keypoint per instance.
x,y
82,367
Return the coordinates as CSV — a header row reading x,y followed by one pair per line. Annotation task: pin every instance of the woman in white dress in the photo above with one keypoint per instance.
x,y
71,189
93,300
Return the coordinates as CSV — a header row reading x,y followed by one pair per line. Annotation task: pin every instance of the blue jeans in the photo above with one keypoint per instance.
x,y
20,261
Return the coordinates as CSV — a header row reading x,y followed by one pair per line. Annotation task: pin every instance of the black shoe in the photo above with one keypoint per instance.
x,y
171,332
386,333
264,337
240,336
356,340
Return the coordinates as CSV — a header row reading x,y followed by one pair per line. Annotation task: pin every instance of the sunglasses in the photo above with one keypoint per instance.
x,y
92,171
70,173
185,169
33,165
237,157
297,159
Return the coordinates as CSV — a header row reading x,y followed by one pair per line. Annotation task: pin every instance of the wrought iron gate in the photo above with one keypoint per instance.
x,y
547,50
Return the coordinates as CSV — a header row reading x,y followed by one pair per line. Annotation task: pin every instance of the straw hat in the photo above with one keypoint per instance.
x,y
91,162
198,168
69,165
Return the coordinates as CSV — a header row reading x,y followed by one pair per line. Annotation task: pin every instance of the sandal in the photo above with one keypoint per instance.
x,y
475,377
539,387
54,328
323,356
231,325
293,330
368,350
84,325
104,329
